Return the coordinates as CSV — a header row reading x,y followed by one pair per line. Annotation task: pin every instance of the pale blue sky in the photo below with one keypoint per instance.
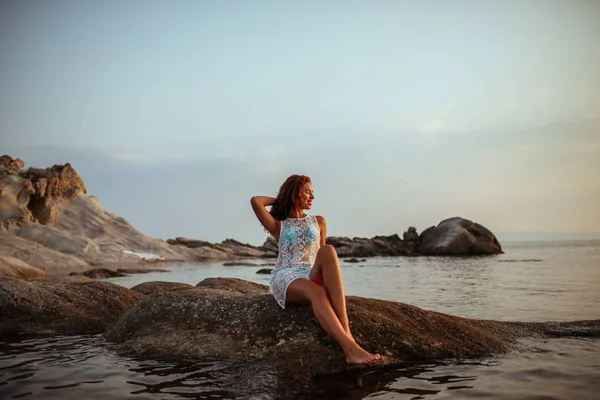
x,y
403,112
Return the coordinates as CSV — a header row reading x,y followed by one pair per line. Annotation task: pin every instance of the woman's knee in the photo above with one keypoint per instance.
x,y
327,250
318,294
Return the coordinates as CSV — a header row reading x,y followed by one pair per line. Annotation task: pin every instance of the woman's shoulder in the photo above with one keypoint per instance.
x,y
320,219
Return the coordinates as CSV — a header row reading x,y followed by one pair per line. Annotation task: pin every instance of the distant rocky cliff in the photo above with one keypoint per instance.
x,y
47,221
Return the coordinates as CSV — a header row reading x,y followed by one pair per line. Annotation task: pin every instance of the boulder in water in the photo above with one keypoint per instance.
x,y
458,236
218,320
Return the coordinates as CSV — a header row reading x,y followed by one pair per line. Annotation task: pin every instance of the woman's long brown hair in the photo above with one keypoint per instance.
x,y
288,196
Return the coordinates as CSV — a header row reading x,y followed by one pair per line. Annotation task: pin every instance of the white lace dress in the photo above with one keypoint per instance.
x,y
299,241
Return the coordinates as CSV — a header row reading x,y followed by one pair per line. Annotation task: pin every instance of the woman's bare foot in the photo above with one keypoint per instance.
x,y
360,356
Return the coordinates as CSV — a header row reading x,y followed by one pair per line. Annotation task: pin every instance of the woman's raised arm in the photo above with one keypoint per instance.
x,y
259,204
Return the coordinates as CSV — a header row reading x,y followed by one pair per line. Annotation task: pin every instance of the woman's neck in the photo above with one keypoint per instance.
x,y
296,213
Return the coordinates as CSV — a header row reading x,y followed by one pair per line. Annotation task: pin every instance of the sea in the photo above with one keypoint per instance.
x,y
531,281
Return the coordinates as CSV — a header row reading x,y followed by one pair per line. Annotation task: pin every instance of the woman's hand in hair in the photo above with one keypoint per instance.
x,y
259,204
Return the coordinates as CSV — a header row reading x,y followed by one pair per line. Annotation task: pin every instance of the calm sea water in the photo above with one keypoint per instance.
x,y
533,281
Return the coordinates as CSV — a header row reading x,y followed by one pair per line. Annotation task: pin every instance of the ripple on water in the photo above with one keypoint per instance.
x,y
74,367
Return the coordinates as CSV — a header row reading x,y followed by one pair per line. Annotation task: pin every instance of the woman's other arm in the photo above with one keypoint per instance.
x,y
259,204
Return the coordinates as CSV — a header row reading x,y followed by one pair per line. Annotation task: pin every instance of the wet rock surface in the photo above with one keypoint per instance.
x,y
55,307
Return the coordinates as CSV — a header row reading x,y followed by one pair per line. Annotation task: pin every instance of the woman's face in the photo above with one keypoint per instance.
x,y
306,196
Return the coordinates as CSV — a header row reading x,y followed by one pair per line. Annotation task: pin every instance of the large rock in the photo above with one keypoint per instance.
x,y
50,307
458,236
218,321
13,268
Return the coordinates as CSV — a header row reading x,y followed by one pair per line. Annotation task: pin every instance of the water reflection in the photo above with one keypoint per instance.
x,y
70,367
412,381
87,367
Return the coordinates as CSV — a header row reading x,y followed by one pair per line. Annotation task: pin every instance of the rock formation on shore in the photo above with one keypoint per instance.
x,y
48,222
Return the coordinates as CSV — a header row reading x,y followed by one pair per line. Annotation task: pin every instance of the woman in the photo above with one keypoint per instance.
x,y
307,269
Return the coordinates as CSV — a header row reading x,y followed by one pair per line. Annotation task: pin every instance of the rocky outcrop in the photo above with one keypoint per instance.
x,y
49,222
36,195
454,236
220,320
13,268
40,307
228,246
458,236
54,189
376,246
190,243
99,273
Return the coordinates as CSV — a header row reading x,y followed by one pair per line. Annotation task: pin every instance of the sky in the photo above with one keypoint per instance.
x,y
403,113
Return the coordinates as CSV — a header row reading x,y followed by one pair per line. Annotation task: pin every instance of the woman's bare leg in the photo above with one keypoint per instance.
x,y
327,263
305,291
